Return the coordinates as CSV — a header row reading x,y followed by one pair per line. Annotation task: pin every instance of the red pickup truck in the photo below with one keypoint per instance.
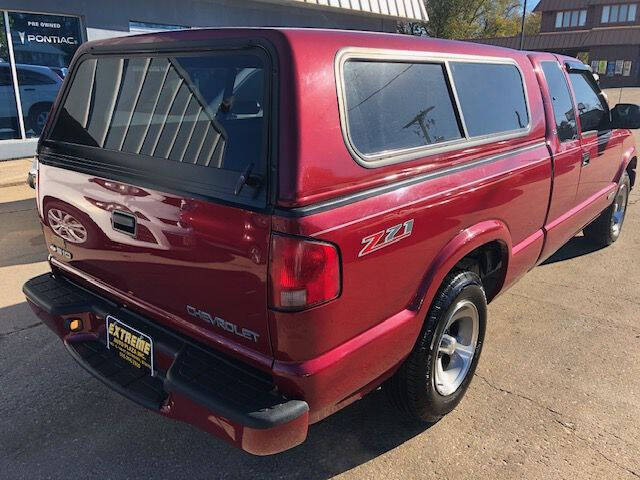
x,y
250,229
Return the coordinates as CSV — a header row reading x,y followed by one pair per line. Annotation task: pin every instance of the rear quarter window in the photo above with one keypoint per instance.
x,y
491,96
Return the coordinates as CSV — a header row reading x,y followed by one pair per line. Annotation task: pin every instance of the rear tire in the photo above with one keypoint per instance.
x,y
429,383
606,229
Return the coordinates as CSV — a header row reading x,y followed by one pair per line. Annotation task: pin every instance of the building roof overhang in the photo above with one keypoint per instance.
x,y
555,5
570,40
413,10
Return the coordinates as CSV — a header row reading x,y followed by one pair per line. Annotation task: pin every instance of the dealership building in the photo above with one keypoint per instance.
x,y
604,34
39,37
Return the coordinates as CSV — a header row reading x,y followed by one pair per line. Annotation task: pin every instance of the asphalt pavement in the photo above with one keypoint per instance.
x,y
556,393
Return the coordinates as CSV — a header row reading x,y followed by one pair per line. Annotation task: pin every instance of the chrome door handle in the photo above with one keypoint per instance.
x,y
586,158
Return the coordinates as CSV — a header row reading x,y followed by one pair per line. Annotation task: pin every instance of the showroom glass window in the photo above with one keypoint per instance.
x,y
43,46
9,127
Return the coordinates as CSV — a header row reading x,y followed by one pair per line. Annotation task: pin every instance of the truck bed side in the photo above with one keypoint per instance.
x,y
496,195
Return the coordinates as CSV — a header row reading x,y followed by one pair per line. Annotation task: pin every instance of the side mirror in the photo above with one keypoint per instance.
x,y
625,115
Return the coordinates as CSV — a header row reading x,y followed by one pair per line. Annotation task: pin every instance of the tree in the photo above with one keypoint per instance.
x,y
473,19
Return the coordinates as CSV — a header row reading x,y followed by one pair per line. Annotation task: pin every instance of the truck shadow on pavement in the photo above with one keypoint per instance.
x,y
576,247
122,440
350,437
21,239
345,440
15,319
18,206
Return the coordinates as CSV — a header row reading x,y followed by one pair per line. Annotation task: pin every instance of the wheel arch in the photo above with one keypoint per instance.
x,y
467,247
44,105
41,104
629,164
631,170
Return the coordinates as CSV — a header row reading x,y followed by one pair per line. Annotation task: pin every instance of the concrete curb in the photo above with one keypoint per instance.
x,y
14,172
13,183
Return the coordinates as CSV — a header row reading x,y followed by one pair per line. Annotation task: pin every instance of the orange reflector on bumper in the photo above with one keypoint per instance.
x,y
75,324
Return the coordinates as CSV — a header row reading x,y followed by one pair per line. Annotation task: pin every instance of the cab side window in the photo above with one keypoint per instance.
x,y
592,111
561,99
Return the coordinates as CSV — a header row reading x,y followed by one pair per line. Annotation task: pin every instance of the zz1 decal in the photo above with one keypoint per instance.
x,y
386,237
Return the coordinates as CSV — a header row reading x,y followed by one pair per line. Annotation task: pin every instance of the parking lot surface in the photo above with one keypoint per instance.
x,y
556,393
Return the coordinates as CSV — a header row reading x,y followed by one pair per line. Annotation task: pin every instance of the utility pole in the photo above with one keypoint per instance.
x,y
423,123
524,13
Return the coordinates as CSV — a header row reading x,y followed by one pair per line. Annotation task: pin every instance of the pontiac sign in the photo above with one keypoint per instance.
x,y
46,38
34,34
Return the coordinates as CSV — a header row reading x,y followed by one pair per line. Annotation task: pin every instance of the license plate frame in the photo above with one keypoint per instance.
x,y
130,344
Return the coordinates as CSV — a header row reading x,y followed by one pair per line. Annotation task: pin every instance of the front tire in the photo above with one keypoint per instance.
x,y
606,229
434,378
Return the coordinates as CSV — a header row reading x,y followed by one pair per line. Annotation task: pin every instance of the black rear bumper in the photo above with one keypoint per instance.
x,y
231,389
117,374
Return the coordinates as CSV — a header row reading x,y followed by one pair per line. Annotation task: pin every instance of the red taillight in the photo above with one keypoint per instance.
x,y
303,273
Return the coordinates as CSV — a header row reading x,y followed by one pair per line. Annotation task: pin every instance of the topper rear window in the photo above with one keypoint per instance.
x,y
200,116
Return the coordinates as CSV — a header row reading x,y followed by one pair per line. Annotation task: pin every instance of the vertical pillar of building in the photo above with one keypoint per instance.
x,y
14,74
